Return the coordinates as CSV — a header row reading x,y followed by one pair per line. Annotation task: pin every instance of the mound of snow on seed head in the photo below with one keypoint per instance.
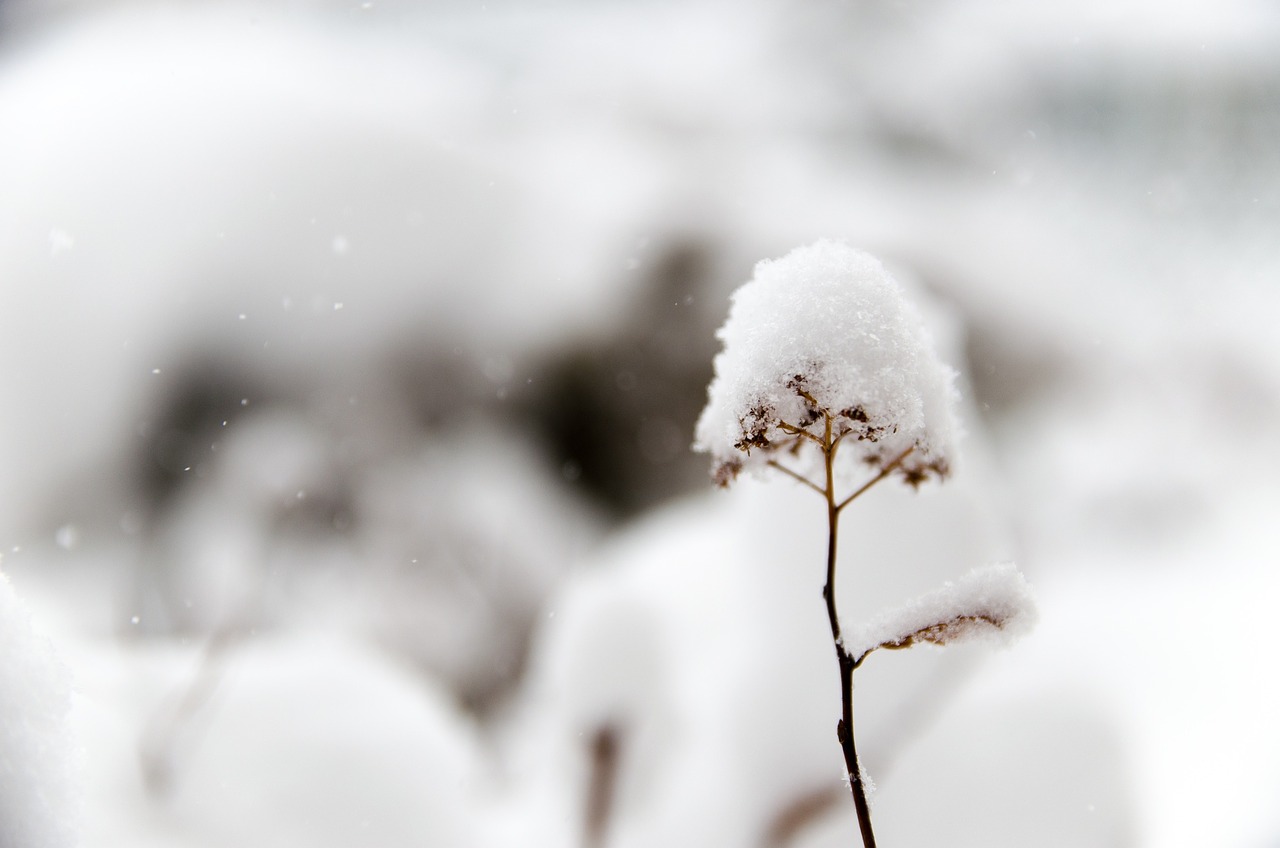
x,y
825,331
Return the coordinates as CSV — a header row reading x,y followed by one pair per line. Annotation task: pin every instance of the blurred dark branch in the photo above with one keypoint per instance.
x,y
605,751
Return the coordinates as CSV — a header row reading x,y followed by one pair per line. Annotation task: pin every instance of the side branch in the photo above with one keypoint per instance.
x,y
942,632
884,472
800,431
939,633
773,463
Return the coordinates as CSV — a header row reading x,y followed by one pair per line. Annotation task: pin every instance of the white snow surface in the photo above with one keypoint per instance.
x,y
1095,191
828,319
35,751
993,602
700,635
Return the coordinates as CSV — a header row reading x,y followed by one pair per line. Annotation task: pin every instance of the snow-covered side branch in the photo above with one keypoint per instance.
x,y
992,602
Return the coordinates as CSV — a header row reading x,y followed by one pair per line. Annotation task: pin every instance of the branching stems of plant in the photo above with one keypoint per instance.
x,y
884,472
831,450
801,432
844,728
829,443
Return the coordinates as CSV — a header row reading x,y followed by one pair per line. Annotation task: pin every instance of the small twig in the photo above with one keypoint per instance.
x,y
810,398
938,633
801,813
839,439
158,748
605,750
773,463
800,431
884,472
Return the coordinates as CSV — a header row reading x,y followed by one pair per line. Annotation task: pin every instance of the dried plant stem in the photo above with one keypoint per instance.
x,y
884,472
844,728
829,443
773,463
163,738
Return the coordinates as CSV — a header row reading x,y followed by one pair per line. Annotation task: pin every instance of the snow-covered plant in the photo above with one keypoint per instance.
x,y
827,370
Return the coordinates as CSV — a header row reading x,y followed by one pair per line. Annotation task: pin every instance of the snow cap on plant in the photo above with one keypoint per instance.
x,y
993,602
825,332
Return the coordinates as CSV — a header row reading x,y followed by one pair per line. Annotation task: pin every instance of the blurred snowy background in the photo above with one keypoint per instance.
x,y
349,358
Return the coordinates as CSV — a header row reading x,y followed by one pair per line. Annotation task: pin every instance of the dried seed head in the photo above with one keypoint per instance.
x,y
825,332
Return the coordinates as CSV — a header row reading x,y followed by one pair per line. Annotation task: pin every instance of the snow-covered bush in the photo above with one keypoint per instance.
x,y
821,349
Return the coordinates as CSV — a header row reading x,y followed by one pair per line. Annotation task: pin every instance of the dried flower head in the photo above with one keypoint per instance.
x,y
826,333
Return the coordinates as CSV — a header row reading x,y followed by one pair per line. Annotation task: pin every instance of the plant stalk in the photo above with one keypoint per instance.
x,y
844,728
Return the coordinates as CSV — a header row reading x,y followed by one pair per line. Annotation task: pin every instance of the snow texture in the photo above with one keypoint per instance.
x,y
825,330
992,601
34,749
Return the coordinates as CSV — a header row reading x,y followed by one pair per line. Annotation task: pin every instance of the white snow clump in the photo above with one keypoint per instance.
x,y
989,602
35,695
826,331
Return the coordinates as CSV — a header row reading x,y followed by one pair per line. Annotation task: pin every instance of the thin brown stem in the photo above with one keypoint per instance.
x,y
844,728
773,463
829,443
800,431
840,438
884,472
606,749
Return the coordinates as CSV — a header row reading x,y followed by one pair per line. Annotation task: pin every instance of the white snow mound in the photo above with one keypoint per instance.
x,y
826,330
